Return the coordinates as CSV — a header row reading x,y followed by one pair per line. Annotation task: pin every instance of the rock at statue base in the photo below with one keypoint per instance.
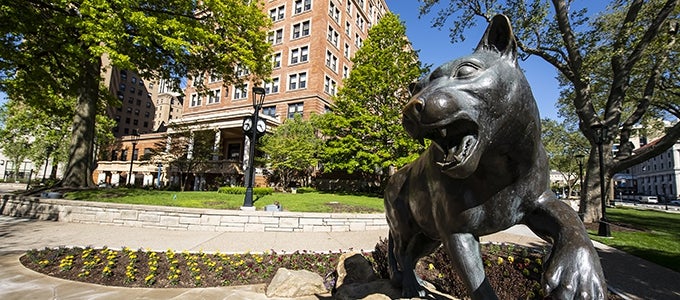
x,y
292,283
357,280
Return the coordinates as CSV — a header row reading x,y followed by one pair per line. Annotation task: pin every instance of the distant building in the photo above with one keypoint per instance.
x,y
658,176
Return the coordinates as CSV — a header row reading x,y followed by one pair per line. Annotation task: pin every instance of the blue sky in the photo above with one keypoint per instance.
x,y
436,48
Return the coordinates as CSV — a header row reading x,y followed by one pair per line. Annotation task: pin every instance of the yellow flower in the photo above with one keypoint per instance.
x,y
430,266
511,259
500,260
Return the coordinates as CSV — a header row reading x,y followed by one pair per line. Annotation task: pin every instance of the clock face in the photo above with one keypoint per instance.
x,y
247,124
261,126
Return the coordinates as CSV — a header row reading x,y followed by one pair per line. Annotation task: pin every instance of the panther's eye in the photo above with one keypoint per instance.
x,y
465,70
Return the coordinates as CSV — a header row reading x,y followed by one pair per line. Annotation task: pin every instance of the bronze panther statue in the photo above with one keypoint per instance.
x,y
485,171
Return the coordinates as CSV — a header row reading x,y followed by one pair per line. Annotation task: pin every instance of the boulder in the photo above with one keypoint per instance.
x,y
295,283
357,280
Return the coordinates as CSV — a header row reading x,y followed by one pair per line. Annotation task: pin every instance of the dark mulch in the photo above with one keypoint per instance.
x,y
514,271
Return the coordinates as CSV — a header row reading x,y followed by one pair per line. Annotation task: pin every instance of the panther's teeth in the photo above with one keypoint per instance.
x,y
442,132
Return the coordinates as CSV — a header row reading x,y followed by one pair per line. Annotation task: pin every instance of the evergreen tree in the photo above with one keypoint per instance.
x,y
364,132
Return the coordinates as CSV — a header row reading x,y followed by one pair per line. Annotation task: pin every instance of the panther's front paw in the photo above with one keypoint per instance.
x,y
575,274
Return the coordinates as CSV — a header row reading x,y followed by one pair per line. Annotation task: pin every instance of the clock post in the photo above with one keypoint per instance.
x,y
253,126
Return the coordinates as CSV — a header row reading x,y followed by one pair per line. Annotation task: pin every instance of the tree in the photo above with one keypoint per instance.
x,y
364,133
562,144
186,150
611,64
38,135
58,48
291,150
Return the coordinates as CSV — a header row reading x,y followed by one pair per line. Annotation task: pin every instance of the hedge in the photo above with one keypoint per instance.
x,y
239,190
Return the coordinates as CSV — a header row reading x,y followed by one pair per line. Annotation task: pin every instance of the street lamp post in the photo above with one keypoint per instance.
x,y
253,125
601,132
135,137
579,157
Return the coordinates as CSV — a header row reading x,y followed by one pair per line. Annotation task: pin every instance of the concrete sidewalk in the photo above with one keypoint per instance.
x,y
630,276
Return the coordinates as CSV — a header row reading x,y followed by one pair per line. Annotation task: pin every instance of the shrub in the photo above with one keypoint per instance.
x,y
240,190
304,190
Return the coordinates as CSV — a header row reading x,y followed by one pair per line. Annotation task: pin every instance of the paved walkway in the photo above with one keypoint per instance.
x,y
632,277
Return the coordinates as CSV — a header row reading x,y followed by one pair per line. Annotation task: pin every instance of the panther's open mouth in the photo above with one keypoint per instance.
x,y
455,142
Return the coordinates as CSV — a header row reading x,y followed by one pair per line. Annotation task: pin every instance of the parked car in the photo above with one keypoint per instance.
x,y
649,199
675,202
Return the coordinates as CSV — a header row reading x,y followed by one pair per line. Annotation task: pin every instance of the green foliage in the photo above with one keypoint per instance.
x,y
364,132
59,49
291,151
305,190
562,145
240,190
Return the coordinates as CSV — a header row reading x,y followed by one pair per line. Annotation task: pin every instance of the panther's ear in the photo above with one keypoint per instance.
x,y
499,37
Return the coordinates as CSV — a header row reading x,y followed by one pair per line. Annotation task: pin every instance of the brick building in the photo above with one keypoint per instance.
x,y
313,42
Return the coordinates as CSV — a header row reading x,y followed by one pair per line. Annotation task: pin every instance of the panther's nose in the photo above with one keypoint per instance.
x,y
413,109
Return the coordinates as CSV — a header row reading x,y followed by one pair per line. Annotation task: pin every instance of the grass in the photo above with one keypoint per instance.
x,y
307,202
651,235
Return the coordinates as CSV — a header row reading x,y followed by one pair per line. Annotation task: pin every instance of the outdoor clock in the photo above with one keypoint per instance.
x,y
247,124
261,126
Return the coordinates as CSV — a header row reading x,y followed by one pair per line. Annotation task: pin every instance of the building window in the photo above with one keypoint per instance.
x,y
242,71
241,92
146,124
302,6
329,86
135,122
136,112
129,110
347,50
297,81
147,114
300,30
214,77
348,28
127,120
275,37
195,100
198,80
345,72
123,75
299,55
358,41
269,110
331,61
133,79
121,87
334,12
333,36
278,13
360,22
276,60
214,96
295,108
273,86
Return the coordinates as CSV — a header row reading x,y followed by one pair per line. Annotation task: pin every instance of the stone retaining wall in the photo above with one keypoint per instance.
x,y
177,218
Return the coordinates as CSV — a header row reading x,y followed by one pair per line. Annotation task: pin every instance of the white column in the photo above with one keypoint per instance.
x,y
101,177
148,179
115,179
190,151
216,146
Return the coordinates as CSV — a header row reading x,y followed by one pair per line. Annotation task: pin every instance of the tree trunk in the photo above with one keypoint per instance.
x,y
80,163
590,207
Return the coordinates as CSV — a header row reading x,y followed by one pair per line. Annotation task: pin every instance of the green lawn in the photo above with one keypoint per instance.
x,y
657,240
308,202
